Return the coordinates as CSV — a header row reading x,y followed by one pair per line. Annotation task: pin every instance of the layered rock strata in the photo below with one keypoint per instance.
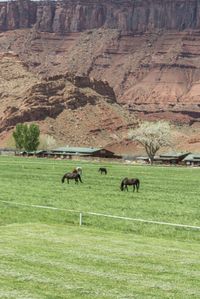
x,y
77,15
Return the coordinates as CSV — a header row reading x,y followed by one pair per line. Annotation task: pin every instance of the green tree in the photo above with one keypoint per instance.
x,y
31,141
27,137
19,136
152,136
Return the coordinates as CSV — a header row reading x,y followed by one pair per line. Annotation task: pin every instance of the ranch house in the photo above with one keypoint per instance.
x,y
192,160
83,151
70,152
168,158
172,158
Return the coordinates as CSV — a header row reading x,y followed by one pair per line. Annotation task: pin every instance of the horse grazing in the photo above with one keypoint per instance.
x,y
71,176
103,170
130,182
78,170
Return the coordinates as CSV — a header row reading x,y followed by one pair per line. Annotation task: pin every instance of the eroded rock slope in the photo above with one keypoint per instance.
x,y
74,110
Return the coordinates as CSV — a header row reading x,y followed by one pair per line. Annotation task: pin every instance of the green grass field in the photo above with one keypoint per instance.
x,y
45,254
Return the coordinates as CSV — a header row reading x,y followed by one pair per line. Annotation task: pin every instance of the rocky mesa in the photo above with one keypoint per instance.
x,y
129,16
148,52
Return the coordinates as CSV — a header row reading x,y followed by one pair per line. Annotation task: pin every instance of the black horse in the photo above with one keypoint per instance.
x,y
130,182
72,176
103,170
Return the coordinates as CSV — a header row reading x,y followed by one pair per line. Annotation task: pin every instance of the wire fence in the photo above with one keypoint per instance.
x,y
81,214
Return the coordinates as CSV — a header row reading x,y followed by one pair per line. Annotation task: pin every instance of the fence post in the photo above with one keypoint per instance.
x,y
80,219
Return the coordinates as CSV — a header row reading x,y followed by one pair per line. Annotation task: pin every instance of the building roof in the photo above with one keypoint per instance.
x,y
82,150
174,155
192,157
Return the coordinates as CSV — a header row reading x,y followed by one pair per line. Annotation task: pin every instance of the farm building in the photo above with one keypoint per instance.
x,y
172,158
168,158
84,151
192,159
69,152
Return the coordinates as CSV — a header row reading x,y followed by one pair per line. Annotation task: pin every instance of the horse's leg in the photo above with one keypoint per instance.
x,y
133,188
126,188
67,181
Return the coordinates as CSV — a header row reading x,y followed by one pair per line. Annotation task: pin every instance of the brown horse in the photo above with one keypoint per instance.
x,y
130,182
71,176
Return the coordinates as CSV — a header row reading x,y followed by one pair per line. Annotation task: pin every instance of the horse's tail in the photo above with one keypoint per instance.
x,y
122,185
63,178
79,178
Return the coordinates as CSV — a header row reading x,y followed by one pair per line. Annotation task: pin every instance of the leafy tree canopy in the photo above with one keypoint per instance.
x,y
27,137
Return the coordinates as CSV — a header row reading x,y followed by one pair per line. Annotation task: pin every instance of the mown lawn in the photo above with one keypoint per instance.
x,y
57,261
45,254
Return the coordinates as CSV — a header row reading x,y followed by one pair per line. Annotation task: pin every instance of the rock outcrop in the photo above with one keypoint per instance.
x,y
69,108
129,16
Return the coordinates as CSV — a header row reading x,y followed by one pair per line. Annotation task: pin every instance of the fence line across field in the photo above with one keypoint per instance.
x,y
81,214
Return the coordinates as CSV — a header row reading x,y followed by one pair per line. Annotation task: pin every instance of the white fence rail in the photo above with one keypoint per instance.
x,y
81,214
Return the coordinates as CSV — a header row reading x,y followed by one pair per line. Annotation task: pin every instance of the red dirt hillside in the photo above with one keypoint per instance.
x,y
146,53
73,110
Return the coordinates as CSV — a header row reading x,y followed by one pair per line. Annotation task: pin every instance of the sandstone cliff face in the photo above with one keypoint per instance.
x,y
77,15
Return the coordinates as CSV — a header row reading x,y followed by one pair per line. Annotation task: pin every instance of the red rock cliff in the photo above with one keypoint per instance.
x,y
78,15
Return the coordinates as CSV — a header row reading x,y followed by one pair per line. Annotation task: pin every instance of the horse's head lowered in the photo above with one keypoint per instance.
x,y
130,182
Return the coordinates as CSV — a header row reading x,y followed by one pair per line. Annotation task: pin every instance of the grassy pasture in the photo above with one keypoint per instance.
x,y
56,261
167,194
45,254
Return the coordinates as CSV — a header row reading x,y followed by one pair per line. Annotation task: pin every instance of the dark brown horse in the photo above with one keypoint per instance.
x,y
130,182
103,170
72,176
